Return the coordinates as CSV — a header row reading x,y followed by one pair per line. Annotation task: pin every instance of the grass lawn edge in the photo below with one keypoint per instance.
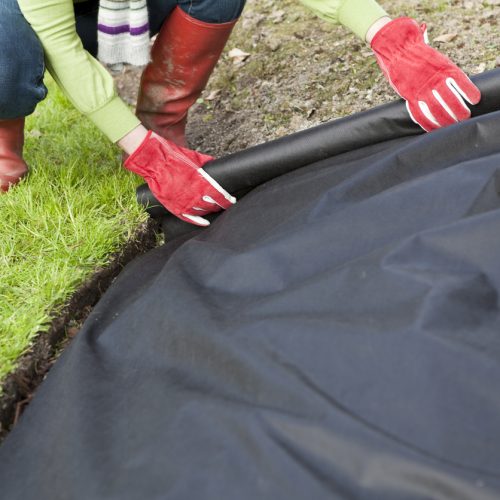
x,y
19,386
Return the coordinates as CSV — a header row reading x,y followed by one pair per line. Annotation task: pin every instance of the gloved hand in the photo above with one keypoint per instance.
x,y
434,88
175,177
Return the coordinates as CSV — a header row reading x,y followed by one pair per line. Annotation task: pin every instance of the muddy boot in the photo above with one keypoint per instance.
x,y
182,59
12,166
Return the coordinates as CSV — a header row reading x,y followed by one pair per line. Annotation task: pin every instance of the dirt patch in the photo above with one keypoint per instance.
x,y
18,388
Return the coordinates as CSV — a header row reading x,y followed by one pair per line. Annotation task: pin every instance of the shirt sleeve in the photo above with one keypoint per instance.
x,y
85,82
357,15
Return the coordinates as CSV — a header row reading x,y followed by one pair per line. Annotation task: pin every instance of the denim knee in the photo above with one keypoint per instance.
x,y
213,11
21,64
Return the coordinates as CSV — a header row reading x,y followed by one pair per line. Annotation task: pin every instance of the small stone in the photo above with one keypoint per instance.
x,y
72,331
274,45
277,16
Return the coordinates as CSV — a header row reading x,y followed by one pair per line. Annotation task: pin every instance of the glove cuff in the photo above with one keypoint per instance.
x,y
131,162
394,38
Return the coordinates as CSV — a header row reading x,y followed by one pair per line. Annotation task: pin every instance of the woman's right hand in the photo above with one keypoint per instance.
x,y
175,176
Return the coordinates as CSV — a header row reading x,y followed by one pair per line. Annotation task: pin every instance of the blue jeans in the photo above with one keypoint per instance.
x,y
21,54
208,11
21,64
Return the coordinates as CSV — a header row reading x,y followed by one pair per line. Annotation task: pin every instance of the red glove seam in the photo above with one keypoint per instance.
x,y
179,156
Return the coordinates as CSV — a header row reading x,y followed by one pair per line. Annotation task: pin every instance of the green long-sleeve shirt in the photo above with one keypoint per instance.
x,y
90,87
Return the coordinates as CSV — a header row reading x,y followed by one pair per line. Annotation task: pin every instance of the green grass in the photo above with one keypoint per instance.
x,y
76,207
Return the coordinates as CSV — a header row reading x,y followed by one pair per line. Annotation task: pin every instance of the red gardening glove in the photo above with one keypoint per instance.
x,y
175,177
434,88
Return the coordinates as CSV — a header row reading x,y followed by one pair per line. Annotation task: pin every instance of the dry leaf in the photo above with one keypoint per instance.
x,y
237,55
212,95
311,112
448,37
480,68
34,133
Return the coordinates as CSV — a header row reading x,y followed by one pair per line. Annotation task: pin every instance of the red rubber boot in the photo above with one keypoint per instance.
x,y
12,166
182,59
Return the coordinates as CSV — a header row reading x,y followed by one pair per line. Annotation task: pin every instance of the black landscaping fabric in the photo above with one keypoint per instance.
x,y
335,335
244,170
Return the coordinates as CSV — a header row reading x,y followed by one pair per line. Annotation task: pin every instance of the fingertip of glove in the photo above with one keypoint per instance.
x,y
477,98
472,95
